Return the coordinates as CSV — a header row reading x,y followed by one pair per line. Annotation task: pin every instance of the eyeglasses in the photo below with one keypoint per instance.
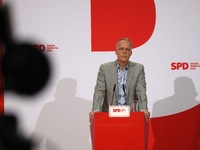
x,y
127,50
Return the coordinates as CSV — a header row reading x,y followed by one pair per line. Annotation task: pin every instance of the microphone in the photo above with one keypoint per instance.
x,y
123,87
113,93
124,90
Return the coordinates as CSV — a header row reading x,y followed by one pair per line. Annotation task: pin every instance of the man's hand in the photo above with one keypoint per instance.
x,y
91,114
147,114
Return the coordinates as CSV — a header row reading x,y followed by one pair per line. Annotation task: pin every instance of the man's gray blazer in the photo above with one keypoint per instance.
x,y
107,80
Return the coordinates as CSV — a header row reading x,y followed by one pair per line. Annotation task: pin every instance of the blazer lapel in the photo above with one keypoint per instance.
x,y
113,72
130,76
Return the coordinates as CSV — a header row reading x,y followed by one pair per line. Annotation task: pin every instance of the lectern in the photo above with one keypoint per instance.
x,y
119,133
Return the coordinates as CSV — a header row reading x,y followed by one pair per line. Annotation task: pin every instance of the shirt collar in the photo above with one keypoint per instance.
x,y
118,66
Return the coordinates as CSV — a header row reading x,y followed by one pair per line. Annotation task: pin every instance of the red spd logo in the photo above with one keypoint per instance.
x,y
179,66
47,47
119,110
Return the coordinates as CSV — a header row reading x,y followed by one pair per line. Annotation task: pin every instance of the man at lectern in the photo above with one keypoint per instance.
x,y
120,82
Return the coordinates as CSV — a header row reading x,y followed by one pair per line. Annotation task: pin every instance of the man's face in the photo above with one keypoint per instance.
x,y
123,51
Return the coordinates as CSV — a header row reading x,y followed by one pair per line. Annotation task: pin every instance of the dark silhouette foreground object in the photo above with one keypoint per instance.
x,y
10,139
25,69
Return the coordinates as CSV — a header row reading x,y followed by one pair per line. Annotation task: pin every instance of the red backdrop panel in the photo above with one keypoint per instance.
x,y
176,132
114,19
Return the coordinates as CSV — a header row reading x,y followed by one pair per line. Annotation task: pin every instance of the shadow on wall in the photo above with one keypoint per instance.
x,y
64,122
179,124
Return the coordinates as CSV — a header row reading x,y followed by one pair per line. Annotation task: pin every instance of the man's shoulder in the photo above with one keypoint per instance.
x,y
135,64
114,63
107,64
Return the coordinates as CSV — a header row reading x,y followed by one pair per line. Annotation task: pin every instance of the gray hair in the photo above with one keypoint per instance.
x,y
125,39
